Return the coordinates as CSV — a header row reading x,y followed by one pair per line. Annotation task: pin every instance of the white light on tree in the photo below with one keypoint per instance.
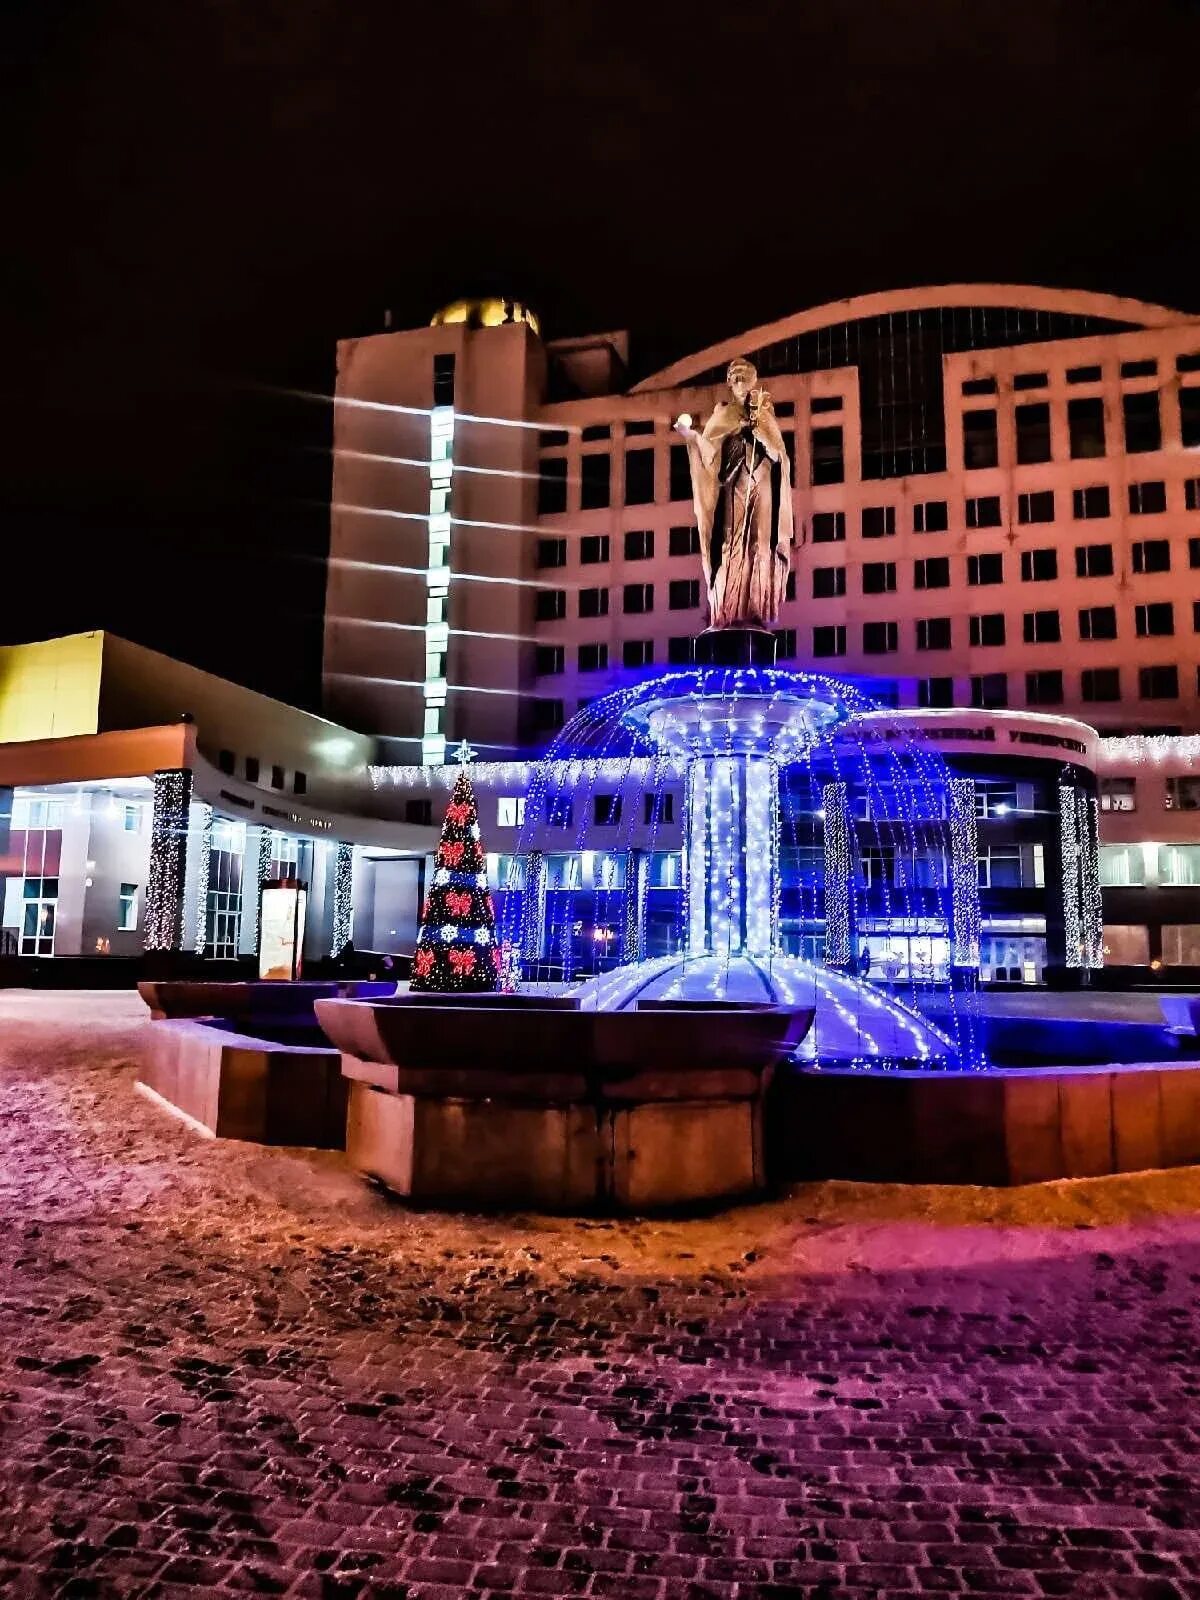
x,y
203,866
964,872
168,855
1068,822
838,863
343,898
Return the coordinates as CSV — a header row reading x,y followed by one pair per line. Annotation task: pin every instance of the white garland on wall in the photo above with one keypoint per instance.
x,y
168,856
838,865
964,872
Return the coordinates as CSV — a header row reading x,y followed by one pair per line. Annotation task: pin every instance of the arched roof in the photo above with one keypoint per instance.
x,y
1113,308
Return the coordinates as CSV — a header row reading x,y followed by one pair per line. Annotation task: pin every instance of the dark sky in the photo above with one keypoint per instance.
x,y
202,195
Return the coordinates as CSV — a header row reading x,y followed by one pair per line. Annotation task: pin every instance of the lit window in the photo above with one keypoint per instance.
x,y
510,811
133,819
127,908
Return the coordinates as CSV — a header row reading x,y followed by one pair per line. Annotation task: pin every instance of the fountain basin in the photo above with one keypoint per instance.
x,y
560,1108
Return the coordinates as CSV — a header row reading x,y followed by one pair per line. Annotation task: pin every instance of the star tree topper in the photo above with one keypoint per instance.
x,y
465,754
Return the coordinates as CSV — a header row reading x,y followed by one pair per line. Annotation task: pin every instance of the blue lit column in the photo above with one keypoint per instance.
x,y
533,907
731,855
637,882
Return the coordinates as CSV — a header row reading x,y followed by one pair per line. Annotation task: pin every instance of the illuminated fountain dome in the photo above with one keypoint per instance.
x,y
827,860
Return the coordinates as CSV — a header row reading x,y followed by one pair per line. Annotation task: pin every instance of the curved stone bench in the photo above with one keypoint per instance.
x,y
559,1108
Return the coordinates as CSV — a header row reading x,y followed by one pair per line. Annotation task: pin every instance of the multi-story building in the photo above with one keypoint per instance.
x,y
997,495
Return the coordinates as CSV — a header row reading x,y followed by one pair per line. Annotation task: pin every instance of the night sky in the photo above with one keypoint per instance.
x,y
203,195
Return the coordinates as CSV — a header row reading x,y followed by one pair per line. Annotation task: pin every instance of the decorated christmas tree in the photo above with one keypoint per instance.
x,y
456,947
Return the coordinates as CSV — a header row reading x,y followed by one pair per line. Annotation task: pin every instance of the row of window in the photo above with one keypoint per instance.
x,y
1181,793
1037,566
227,763
1141,367
986,511
1086,429
638,545
637,599
598,432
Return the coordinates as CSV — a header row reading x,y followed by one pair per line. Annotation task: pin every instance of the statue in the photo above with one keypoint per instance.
x,y
742,491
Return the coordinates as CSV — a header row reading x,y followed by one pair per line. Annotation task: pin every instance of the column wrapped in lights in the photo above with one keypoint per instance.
x,y
964,872
732,848
168,859
637,884
203,866
1068,824
343,898
533,906
1091,911
838,866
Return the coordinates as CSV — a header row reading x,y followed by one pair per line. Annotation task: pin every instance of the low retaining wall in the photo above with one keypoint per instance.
x,y
239,1087
1000,1127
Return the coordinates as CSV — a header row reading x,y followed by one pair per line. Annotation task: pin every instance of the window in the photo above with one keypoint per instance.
x,y
878,521
1147,499
680,475
593,602
785,643
547,715
1039,566
979,386
593,549
548,659
277,777
552,485
419,813
127,908
1191,494
550,605
1101,683
1098,622
1188,363
226,762
1139,369
1037,507
594,480
1044,688
1041,627
1155,620
132,819
552,438
829,641
1181,944
681,650
933,633
252,769
640,425
595,431
299,783
443,380
931,516
1033,433
1000,866
880,638
828,527
639,477
1143,427
1083,374
659,807
510,811
1092,502
828,457
1152,555
1031,380
989,690
552,552
932,572
39,913
1189,418
984,511
639,544
879,577
789,588
1093,561
1179,864
980,447
1085,423
606,810
825,402
987,629
1196,616
593,657
683,594
935,692
985,569
560,812
1158,683
1183,794
830,582
637,653
638,598
683,542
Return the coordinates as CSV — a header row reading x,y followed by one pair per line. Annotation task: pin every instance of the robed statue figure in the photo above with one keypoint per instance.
x,y
742,489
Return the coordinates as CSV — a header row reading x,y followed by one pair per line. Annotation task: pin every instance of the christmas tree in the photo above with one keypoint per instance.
x,y
456,947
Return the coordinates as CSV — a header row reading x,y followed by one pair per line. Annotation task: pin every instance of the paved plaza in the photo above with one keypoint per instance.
x,y
229,1368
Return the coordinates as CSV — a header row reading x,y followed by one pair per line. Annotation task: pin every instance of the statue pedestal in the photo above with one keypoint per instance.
x,y
735,647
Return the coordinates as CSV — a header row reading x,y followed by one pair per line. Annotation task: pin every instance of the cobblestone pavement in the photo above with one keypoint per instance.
x,y
223,1368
